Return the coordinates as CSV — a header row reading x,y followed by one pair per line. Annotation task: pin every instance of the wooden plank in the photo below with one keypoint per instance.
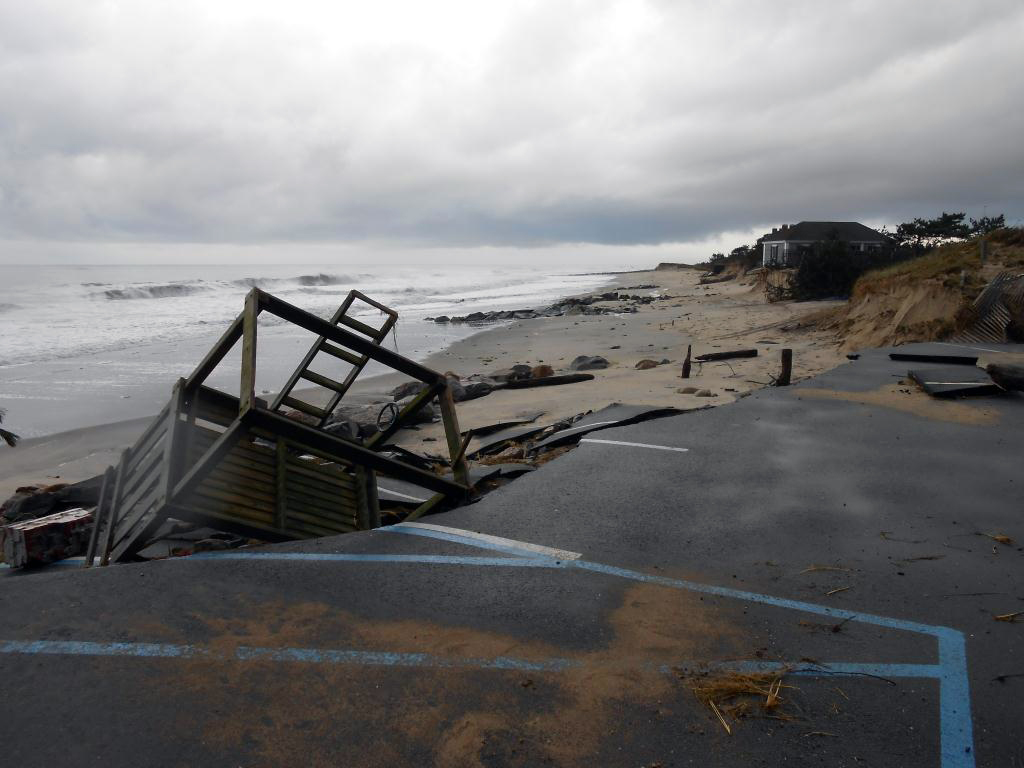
x,y
343,354
212,490
281,484
142,449
325,477
227,523
313,440
240,474
328,495
319,526
304,407
452,435
140,526
339,505
221,446
322,381
112,515
425,508
106,490
372,502
213,405
173,444
231,485
201,501
362,509
130,501
360,344
216,354
360,327
247,386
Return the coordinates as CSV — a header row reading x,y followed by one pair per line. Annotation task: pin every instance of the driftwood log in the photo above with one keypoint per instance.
x,y
1007,376
547,381
712,356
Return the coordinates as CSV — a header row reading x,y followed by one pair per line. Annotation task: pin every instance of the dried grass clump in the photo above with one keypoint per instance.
x,y
737,695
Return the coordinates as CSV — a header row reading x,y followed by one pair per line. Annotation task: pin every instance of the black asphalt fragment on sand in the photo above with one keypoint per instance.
x,y
422,647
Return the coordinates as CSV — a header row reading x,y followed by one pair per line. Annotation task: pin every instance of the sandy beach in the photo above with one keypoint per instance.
x,y
722,316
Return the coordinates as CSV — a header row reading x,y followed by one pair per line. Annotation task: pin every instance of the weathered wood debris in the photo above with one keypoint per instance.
x,y
245,466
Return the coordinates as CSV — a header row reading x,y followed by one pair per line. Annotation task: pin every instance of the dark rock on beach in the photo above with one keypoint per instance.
x,y
588,363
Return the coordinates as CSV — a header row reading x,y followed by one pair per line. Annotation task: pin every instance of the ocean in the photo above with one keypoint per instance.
x,y
86,345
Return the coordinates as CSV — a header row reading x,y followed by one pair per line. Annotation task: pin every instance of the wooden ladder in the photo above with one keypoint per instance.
x,y
322,345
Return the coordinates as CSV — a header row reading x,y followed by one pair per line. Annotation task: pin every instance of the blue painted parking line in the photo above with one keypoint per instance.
x,y
956,733
399,659
298,655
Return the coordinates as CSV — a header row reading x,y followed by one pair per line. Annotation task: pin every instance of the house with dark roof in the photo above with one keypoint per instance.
x,y
783,245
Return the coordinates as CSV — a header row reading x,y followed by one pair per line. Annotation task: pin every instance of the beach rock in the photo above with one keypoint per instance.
x,y
27,504
424,415
455,387
364,417
610,296
687,390
645,365
32,501
704,393
345,428
541,371
442,319
515,373
476,389
407,389
588,363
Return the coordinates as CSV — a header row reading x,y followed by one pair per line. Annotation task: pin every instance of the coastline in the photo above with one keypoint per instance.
x,y
711,318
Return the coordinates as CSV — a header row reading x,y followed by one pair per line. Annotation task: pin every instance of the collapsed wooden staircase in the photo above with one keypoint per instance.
x,y
240,465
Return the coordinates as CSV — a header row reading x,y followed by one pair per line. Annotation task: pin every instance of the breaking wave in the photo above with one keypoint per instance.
x,y
322,279
153,291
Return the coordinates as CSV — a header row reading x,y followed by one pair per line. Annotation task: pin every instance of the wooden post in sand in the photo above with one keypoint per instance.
x,y
787,369
686,362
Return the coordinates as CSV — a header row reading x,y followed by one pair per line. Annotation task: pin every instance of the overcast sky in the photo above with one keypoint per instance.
x,y
556,127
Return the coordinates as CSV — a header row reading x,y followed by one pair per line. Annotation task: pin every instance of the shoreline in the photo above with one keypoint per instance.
x,y
711,318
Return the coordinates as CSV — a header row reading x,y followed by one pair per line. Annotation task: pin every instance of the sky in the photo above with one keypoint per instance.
x,y
605,133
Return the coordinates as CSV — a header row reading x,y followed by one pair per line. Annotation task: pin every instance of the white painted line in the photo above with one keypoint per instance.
x,y
634,445
401,495
557,554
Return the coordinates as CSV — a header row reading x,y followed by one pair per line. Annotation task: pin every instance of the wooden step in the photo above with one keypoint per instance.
x,y
363,328
342,354
299,405
322,381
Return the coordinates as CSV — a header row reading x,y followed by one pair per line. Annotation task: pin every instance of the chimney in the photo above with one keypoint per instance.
x,y
775,230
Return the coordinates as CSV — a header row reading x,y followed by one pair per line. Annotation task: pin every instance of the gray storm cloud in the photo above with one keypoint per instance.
x,y
493,124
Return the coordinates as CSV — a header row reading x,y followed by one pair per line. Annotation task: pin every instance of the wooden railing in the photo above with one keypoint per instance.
x,y
236,464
